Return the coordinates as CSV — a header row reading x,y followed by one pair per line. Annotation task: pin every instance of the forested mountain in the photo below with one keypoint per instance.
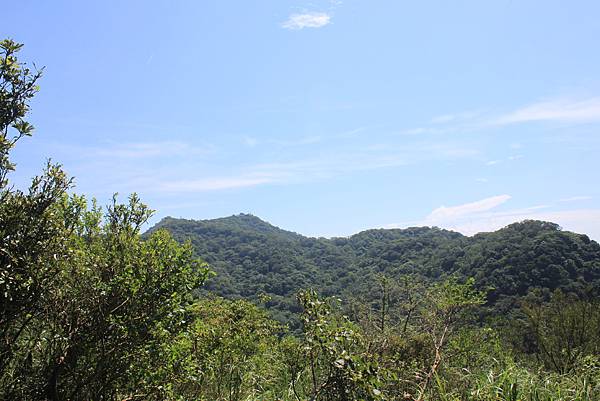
x,y
252,257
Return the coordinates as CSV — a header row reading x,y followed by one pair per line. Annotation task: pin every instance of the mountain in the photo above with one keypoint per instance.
x,y
252,257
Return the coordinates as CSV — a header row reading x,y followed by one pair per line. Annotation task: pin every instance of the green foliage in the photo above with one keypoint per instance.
x,y
252,257
97,329
511,382
228,352
84,301
17,87
32,245
563,330
444,311
338,365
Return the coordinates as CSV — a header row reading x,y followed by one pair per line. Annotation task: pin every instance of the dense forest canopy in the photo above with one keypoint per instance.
x,y
253,258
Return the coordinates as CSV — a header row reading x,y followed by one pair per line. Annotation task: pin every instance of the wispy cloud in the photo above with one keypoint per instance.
x,y
482,216
326,165
564,110
307,20
582,220
575,199
559,109
444,214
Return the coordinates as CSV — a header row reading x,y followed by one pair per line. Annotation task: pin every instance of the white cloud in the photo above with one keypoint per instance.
x,y
493,162
307,20
335,162
448,214
575,199
320,167
560,110
586,221
564,110
476,217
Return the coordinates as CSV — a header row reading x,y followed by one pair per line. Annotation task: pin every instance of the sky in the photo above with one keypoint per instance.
x,y
322,117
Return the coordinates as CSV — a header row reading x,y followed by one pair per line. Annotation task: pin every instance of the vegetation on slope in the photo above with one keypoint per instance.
x,y
251,257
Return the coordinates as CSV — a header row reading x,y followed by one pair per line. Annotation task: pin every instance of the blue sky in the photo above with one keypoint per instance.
x,y
322,117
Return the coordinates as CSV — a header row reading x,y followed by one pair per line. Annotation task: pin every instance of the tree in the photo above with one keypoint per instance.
x,y
228,352
442,314
31,234
337,364
564,330
85,302
18,84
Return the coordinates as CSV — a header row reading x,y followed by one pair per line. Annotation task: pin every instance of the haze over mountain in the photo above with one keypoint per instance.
x,y
252,257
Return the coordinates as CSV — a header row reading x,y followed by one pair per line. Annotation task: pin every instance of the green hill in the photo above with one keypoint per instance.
x,y
252,257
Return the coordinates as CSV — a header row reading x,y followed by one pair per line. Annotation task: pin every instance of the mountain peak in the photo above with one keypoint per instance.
x,y
242,221
245,221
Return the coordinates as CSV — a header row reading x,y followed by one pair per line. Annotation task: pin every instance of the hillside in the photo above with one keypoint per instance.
x,y
253,257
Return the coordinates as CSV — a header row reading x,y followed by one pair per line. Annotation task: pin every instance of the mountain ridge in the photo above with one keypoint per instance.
x,y
254,220
253,257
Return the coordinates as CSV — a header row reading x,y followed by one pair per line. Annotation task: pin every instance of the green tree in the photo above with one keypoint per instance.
x,y
228,352
443,313
564,330
18,84
32,236
85,302
337,364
